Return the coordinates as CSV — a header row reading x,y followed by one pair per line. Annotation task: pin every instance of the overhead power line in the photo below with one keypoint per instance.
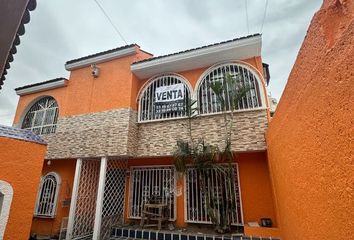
x,y
264,16
109,19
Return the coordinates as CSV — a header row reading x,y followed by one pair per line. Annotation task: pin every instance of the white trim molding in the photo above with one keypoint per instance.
x,y
100,58
206,56
99,199
73,202
6,192
42,87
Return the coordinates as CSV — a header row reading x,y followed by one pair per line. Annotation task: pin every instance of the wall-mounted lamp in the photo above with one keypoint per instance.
x,y
95,71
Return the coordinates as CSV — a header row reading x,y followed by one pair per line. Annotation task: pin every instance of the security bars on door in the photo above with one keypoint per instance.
x,y
42,116
147,105
114,192
207,100
221,191
146,182
86,199
47,196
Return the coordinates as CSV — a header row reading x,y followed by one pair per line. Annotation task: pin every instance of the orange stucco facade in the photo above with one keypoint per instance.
x,y
310,139
303,181
66,171
118,88
20,166
255,185
113,90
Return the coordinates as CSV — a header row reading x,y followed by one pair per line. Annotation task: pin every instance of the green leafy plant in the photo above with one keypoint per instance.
x,y
204,157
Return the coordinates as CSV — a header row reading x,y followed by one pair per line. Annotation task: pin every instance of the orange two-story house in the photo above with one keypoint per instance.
x,y
111,141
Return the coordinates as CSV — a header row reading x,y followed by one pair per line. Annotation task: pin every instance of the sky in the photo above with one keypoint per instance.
x,y
61,30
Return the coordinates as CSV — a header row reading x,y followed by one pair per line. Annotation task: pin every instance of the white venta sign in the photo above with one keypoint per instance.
x,y
169,93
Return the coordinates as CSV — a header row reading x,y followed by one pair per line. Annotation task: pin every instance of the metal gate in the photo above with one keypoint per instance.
x,y
152,181
219,188
113,200
86,199
112,205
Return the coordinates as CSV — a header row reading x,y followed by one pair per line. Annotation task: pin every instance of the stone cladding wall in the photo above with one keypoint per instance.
x,y
159,138
91,135
117,133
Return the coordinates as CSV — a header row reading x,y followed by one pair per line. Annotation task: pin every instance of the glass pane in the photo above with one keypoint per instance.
x,y
38,118
43,113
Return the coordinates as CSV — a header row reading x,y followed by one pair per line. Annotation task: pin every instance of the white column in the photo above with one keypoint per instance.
x,y
99,201
74,199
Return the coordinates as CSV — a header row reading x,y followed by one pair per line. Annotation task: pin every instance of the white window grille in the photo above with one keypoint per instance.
x,y
47,195
148,109
42,117
207,100
147,182
219,189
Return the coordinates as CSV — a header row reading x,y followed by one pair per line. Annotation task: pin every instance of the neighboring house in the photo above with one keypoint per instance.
x,y
111,139
21,161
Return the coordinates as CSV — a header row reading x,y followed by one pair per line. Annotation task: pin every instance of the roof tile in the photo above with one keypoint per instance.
x,y
40,83
101,53
20,134
193,49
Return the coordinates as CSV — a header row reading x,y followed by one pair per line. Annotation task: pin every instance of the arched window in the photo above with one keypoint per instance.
x,y
207,100
164,97
42,117
48,195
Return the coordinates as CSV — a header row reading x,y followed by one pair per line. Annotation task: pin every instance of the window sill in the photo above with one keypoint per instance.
x,y
42,216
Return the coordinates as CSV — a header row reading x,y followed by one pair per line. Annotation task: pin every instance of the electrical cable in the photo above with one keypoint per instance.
x,y
264,16
109,19
248,27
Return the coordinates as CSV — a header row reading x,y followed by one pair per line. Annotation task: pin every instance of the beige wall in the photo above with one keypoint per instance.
x,y
159,138
117,133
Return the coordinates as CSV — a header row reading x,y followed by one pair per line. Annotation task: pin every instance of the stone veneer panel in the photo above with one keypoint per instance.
x,y
159,138
132,134
117,133
92,135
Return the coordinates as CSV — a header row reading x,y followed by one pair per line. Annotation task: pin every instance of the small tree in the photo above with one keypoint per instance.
x,y
204,157
229,93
